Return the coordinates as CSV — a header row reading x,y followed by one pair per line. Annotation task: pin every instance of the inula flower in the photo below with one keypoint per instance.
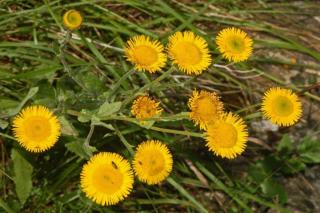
x,y
189,51
144,108
152,162
72,19
107,178
36,128
281,106
227,137
234,44
146,54
205,107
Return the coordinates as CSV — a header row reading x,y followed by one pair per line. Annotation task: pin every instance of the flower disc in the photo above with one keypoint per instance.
x,y
144,107
234,44
36,128
189,51
152,162
145,54
227,137
281,106
107,178
72,19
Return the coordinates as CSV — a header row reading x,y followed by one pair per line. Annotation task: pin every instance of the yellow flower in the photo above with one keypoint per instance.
x,y
281,106
145,54
72,19
36,128
206,107
228,136
189,51
152,162
234,44
144,107
107,178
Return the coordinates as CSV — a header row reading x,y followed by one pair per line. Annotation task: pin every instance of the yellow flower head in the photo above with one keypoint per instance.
x,y
36,128
189,51
107,178
152,162
228,136
145,54
72,19
281,106
144,107
234,44
206,108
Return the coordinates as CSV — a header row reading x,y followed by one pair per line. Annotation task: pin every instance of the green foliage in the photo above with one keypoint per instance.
x,y
22,175
92,92
309,150
107,109
80,148
289,159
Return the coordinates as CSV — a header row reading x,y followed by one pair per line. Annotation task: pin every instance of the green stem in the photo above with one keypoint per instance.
x,y
7,136
87,141
120,81
147,86
177,132
159,129
186,194
124,141
66,67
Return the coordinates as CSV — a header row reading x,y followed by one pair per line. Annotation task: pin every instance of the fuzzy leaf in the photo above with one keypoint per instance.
x,y
107,109
79,148
67,127
309,150
22,175
285,145
274,189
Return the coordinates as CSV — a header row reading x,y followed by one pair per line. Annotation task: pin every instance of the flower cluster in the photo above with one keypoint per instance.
x,y
107,178
187,50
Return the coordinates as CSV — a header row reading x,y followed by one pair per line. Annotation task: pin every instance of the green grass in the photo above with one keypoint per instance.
x,y
80,78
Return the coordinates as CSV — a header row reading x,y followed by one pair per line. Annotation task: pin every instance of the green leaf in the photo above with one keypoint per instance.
x,y
3,124
257,172
309,150
85,116
81,149
67,127
41,72
293,166
30,94
22,175
107,109
7,103
285,146
274,189
91,81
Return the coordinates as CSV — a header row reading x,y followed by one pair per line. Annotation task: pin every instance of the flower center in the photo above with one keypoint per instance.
x,y
282,106
107,179
37,128
206,108
74,18
226,135
153,163
237,45
145,55
187,53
